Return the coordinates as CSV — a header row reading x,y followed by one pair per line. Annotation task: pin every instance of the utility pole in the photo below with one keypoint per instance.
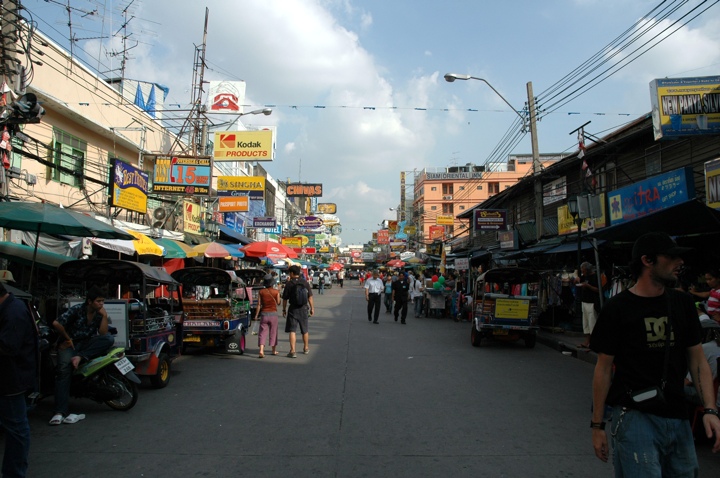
x,y
539,217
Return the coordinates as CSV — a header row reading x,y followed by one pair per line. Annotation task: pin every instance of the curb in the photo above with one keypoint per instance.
x,y
566,347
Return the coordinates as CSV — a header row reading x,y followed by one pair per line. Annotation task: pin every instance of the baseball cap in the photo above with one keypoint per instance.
x,y
6,276
654,243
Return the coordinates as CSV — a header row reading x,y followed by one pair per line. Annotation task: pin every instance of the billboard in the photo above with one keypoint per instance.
x,y
300,189
712,183
327,208
685,106
128,187
490,219
243,146
650,195
192,217
226,96
182,175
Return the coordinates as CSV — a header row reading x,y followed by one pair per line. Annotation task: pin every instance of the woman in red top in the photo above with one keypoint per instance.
x,y
269,299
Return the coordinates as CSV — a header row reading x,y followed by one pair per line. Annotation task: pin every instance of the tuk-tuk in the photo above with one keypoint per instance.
x,y
253,279
140,308
215,307
506,306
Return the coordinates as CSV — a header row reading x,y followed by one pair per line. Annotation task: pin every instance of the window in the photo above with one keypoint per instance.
x,y
68,153
434,188
462,208
479,188
433,208
493,188
15,156
447,208
461,188
447,188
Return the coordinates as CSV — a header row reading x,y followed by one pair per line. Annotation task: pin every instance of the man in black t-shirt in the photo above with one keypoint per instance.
x,y
401,295
630,335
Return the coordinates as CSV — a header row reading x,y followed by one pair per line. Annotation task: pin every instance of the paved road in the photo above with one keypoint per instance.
x,y
396,400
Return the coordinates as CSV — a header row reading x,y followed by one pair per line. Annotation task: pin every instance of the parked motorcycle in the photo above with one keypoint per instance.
x,y
107,379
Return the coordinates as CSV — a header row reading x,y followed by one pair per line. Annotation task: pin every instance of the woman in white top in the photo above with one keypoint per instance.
x,y
416,294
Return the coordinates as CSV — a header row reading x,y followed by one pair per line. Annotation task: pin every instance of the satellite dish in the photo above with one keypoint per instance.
x,y
160,213
157,224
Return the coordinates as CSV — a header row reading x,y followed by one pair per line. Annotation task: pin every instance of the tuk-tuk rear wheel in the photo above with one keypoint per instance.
x,y
530,340
162,377
475,337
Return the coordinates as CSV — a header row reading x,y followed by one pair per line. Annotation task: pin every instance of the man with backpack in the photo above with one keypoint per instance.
x,y
299,294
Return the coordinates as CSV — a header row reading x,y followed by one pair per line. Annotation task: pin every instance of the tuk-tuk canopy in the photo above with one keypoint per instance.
x,y
251,277
510,275
204,276
112,271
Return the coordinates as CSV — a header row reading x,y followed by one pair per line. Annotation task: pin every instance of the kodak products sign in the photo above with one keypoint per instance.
x,y
243,146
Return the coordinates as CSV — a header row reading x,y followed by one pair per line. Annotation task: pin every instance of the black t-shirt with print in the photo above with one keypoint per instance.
x,y
632,329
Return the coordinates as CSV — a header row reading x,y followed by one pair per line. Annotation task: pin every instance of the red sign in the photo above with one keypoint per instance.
x,y
383,236
437,232
305,250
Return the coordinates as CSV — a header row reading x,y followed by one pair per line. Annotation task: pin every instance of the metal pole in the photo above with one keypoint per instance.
x,y
539,215
579,260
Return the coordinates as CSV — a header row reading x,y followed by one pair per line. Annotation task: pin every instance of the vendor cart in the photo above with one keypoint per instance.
x,y
139,309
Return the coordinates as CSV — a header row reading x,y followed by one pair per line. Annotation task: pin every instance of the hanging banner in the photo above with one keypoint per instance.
x,y
128,187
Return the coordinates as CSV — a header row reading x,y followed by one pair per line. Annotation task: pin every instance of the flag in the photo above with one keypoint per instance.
x,y
139,101
150,107
581,144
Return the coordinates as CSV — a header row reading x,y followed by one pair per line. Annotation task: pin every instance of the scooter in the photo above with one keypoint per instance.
x,y
107,379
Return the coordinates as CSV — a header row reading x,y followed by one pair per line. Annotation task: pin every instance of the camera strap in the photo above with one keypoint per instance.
x,y
668,334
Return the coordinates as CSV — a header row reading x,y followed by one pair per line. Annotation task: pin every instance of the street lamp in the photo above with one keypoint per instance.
x,y
261,111
574,210
450,77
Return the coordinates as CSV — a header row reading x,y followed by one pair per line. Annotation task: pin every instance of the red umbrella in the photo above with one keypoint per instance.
x,y
395,263
269,249
335,266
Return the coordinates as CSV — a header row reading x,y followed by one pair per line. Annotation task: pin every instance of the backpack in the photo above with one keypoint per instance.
x,y
299,297
321,279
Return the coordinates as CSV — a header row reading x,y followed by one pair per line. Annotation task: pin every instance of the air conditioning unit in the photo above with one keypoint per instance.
x,y
447,198
159,214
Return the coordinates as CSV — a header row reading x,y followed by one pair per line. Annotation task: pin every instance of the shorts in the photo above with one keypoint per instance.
x,y
297,317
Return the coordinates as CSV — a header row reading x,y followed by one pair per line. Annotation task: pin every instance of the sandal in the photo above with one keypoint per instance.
x,y
275,353
72,418
261,356
57,419
292,355
306,351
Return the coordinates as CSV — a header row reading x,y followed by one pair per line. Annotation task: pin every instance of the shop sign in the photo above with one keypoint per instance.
x,y
567,225
507,239
712,183
128,187
685,106
490,219
462,263
192,217
273,230
555,191
291,242
182,175
436,232
445,220
383,236
309,222
652,194
264,222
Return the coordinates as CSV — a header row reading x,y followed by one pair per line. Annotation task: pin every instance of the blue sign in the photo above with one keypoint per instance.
x,y
273,230
235,222
650,195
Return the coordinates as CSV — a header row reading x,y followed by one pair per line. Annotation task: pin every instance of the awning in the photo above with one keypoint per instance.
x,y
684,219
141,245
539,248
174,249
233,236
572,246
24,254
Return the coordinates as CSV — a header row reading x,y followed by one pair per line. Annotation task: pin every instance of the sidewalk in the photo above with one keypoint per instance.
x,y
566,342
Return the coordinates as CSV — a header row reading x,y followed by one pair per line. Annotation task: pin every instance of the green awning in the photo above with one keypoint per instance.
x,y
23,254
173,250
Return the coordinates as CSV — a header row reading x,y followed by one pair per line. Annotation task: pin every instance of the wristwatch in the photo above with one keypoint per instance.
x,y
598,425
711,411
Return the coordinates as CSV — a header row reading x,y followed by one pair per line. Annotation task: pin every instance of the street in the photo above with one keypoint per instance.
x,y
413,400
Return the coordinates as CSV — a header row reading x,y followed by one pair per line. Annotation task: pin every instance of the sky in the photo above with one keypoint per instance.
x,y
357,86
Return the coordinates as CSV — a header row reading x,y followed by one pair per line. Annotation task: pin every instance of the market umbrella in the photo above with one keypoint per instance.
x,y
273,250
175,249
42,217
335,266
395,263
141,245
217,250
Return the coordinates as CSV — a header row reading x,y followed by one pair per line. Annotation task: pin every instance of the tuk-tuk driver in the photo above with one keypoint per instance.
x,y
83,335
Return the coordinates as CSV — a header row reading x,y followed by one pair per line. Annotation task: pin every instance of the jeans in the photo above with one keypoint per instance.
x,y
648,446
418,306
373,303
13,417
388,301
87,349
321,288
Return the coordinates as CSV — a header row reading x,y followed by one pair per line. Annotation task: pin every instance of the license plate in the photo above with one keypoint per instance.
x,y
500,332
124,365
192,338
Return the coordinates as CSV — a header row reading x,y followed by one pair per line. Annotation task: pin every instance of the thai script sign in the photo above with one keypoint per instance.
x,y
129,187
327,208
650,195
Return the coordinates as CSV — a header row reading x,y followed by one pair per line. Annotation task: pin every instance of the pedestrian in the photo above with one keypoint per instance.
x,y
83,334
18,369
321,283
268,300
341,277
416,294
373,288
401,296
712,279
297,314
590,297
388,293
646,338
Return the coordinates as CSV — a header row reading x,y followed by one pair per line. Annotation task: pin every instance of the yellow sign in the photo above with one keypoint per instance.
x,y
410,230
192,216
567,225
445,220
243,146
512,308
240,183
292,241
